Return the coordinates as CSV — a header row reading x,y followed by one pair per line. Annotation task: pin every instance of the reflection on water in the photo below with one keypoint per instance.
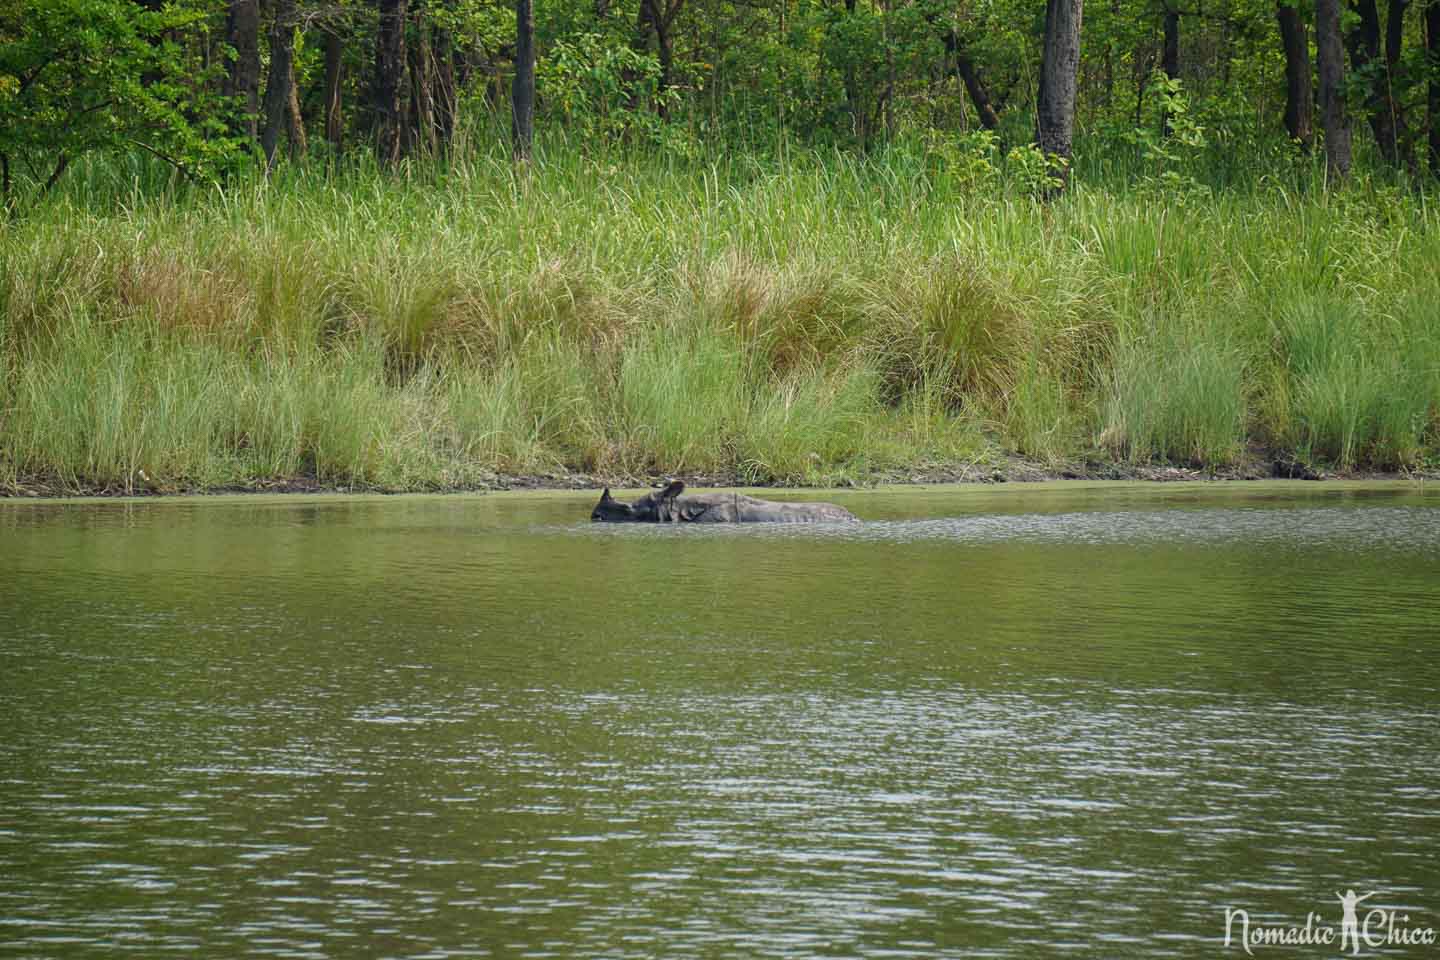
x,y
1003,725
1399,528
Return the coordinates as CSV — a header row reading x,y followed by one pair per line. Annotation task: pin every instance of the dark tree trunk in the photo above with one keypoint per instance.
x,y
522,94
1055,119
445,102
242,30
295,118
1365,58
1330,67
389,79
979,93
974,83
280,86
1432,105
658,17
1170,57
665,47
334,78
1298,96
859,116
422,82
1394,40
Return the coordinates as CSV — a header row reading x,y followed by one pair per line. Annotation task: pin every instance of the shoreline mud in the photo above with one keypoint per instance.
x,y
1009,470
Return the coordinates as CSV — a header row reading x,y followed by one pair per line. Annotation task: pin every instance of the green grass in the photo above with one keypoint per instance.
x,y
810,321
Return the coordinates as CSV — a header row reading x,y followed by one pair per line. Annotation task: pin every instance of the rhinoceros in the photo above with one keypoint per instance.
x,y
667,506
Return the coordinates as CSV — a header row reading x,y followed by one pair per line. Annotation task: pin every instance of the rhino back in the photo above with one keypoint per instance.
x,y
798,513
753,510
737,508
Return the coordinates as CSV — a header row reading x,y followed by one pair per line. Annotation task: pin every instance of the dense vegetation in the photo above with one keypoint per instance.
x,y
781,241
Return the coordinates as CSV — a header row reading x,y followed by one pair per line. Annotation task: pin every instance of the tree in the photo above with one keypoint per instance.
x,y
1298,95
1059,64
658,17
242,32
389,80
969,76
1330,64
1375,73
281,102
1170,58
334,82
83,76
422,82
1432,50
522,115
446,95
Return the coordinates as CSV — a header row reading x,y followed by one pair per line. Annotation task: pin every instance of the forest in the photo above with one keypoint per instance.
x,y
433,244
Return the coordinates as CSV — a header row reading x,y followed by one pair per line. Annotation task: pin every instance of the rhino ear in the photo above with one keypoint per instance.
x,y
606,495
672,490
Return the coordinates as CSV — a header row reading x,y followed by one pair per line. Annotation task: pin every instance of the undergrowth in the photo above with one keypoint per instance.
x,y
810,321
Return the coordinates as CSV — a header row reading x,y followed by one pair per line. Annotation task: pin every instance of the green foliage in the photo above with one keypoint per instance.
x,y
806,322
83,76
1033,171
603,92
1169,141
971,159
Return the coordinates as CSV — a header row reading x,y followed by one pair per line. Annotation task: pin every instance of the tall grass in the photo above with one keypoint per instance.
x,y
808,321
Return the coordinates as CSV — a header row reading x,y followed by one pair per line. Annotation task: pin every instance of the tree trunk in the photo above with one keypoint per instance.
x,y
422,82
445,95
242,30
886,102
1365,58
1060,61
1299,121
974,83
1330,65
334,78
389,78
1432,104
859,117
295,119
979,93
665,47
522,94
280,86
1394,40
1170,58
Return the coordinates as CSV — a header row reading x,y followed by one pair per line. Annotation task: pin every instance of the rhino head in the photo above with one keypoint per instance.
x,y
655,507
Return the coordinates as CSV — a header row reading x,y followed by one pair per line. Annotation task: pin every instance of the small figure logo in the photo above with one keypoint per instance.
x,y
1349,924
1378,928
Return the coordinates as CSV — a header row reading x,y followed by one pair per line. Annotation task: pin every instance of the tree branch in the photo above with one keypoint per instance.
x,y
56,174
25,82
168,159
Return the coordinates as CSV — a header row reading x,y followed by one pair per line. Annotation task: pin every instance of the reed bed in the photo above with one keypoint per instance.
x,y
808,321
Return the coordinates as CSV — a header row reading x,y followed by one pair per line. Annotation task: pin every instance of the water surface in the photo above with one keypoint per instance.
x,y
1010,723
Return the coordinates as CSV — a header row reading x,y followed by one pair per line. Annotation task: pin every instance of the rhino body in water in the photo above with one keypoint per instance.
x,y
667,506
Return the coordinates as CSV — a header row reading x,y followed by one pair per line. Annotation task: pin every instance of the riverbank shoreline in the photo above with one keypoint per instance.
x,y
1010,470
821,324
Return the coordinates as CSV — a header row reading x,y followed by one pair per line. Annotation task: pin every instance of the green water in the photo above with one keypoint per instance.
x,y
1008,722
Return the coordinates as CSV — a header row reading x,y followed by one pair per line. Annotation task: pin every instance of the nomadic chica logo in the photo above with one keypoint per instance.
x,y
1376,928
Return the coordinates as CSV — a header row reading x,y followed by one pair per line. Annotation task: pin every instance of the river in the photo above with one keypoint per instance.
x,y
1081,720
